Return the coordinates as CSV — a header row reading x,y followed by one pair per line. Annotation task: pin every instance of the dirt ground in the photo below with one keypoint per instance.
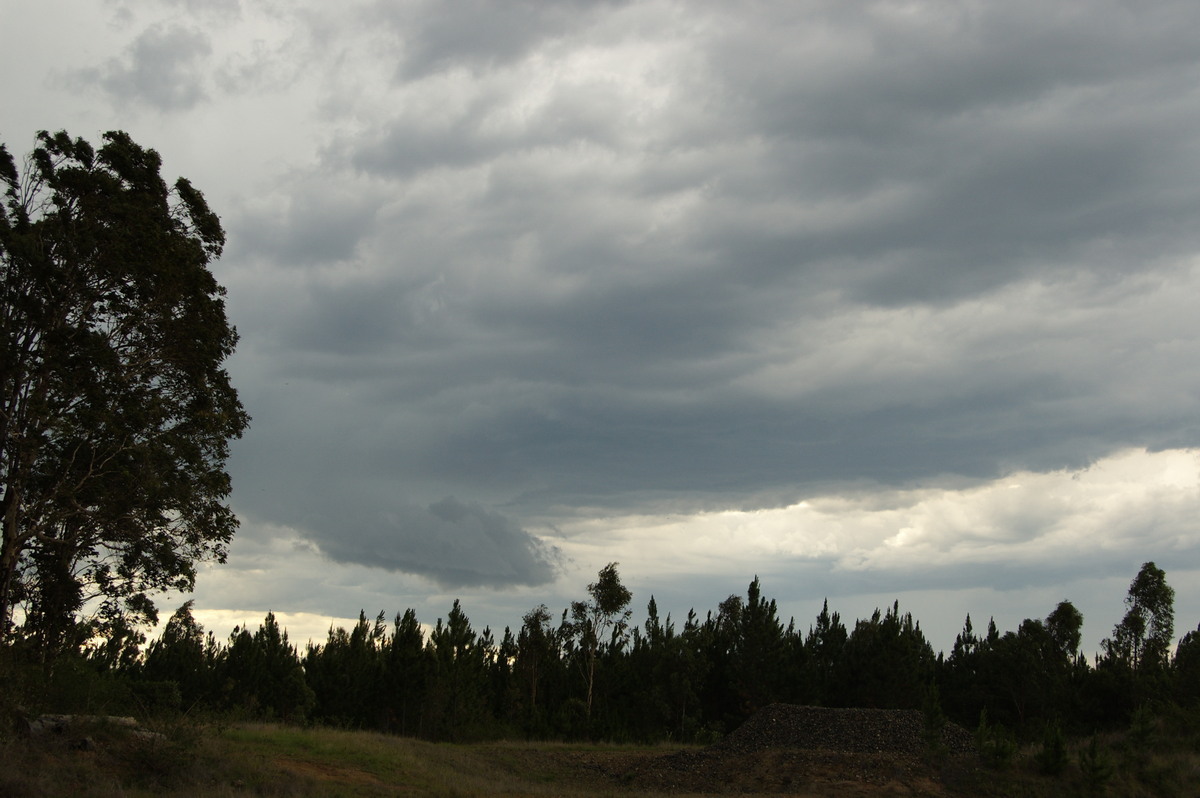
x,y
791,750
777,771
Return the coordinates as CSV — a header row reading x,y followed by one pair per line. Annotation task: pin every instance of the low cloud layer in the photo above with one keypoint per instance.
x,y
455,544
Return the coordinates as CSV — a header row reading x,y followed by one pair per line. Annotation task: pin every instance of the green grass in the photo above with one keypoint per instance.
x,y
273,760
258,759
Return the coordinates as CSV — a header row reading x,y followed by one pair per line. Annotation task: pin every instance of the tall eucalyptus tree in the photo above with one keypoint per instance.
x,y
115,411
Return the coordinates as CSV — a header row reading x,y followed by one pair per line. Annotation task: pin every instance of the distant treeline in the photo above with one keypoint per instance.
x,y
588,674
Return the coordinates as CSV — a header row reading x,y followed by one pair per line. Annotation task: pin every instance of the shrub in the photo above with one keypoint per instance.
x,y
996,745
1051,758
934,720
1096,767
1142,728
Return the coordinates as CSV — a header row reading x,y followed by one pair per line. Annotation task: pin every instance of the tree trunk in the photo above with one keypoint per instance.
x,y
9,554
591,681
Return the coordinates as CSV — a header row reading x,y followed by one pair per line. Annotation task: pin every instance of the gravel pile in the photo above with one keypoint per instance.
x,y
789,749
855,731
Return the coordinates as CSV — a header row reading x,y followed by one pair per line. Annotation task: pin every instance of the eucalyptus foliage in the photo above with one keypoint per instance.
x,y
115,411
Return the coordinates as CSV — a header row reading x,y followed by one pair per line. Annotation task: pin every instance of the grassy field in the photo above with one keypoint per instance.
x,y
271,760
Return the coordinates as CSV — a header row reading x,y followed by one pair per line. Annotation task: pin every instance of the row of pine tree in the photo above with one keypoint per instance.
x,y
589,673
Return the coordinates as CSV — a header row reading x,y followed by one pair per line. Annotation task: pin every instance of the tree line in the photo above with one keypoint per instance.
x,y
588,673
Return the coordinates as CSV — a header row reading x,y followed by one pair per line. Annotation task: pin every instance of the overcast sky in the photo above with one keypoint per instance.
x,y
891,300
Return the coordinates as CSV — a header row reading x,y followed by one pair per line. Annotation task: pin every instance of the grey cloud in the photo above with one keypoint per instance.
x,y
477,34
225,9
410,145
318,222
325,461
999,188
536,327
720,453
856,73
161,68
260,69
405,151
453,543
1009,574
1016,135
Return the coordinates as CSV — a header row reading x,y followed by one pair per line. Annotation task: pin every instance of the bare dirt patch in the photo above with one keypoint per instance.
x,y
318,771
776,771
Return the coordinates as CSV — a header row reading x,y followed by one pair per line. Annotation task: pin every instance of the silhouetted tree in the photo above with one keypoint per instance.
x,y
886,662
115,413
346,673
261,673
1187,669
536,647
1143,638
405,675
179,656
825,643
759,651
1065,627
457,681
604,615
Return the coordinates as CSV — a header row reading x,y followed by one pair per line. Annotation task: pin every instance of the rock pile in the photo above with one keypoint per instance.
x,y
78,730
855,731
798,750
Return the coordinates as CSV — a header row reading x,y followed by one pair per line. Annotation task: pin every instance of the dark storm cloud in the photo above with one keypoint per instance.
x,y
1020,138
455,544
843,247
345,488
162,68
333,462
305,227
727,453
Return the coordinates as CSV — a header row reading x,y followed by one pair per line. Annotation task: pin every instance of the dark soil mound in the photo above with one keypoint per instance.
x,y
853,731
815,751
